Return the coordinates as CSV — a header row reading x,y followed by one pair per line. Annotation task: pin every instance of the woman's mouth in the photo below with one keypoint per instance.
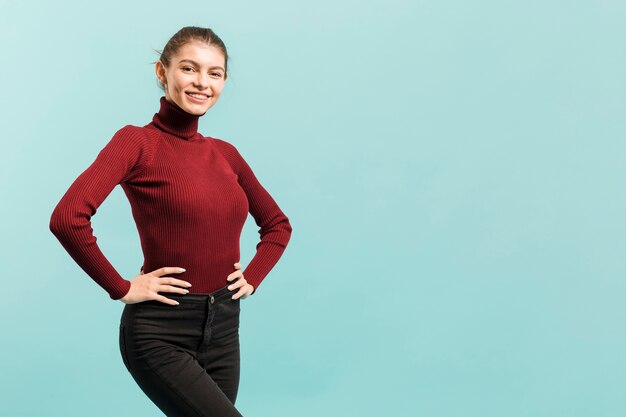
x,y
197,98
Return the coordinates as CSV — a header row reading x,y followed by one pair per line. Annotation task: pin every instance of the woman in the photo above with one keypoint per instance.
x,y
190,196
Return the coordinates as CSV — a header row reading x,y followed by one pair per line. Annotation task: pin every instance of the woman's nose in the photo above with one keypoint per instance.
x,y
202,80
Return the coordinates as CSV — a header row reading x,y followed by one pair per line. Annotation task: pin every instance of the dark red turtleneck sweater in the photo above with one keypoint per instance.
x,y
190,196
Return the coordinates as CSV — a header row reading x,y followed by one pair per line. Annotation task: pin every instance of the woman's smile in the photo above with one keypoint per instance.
x,y
199,98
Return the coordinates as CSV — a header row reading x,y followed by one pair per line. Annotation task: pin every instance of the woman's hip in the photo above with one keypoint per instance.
x,y
197,316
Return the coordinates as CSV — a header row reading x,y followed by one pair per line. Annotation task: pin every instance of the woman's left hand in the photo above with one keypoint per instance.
x,y
245,289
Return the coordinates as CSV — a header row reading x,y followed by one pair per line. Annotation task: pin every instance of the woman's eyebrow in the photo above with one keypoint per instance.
x,y
195,63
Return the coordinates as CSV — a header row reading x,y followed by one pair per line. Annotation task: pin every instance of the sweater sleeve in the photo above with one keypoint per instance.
x,y
274,226
119,161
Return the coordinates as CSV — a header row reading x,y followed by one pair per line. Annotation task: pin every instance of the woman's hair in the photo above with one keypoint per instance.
x,y
186,35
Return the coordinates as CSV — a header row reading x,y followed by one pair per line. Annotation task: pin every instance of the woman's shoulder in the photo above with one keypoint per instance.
x,y
229,152
227,149
135,131
140,135
223,145
133,142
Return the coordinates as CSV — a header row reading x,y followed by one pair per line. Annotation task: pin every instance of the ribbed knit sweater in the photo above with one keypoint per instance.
x,y
189,195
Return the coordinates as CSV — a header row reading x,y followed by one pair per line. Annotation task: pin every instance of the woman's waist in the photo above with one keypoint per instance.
x,y
192,310
205,275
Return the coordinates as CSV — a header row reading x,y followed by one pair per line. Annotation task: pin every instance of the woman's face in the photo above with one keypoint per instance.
x,y
194,78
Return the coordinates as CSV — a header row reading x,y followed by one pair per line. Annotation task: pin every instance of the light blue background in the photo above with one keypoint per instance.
x,y
453,172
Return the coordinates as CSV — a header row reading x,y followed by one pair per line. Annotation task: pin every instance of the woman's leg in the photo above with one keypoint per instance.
x,y
220,358
185,358
179,386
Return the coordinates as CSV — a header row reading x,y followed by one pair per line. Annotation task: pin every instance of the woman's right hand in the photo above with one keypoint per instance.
x,y
146,287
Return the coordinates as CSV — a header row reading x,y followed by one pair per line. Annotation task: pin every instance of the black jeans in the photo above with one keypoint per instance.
x,y
185,357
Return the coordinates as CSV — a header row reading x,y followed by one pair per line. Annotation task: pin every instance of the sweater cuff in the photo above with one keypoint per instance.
x,y
117,293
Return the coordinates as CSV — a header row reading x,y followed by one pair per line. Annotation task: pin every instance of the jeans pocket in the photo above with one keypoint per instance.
x,y
122,341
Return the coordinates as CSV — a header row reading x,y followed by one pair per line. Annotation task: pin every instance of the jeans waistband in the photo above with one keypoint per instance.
x,y
201,298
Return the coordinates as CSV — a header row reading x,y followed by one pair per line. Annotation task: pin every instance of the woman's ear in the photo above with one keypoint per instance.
x,y
160,72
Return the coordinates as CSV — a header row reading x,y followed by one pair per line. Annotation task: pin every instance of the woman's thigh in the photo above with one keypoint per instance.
x,y
221,356
176,383
185,358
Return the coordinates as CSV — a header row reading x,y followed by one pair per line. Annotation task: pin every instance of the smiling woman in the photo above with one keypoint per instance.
x,y
190,196
193,78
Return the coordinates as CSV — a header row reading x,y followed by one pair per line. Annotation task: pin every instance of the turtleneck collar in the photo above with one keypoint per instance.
x,y
176,121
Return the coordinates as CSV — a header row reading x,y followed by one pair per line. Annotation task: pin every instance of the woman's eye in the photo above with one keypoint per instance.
x,y
216,74
186,68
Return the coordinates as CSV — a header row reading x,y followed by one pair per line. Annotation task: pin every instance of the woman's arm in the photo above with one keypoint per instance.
x,y
120,160
274,226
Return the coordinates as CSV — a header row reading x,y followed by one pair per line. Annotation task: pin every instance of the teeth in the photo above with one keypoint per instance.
x,y
198,96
